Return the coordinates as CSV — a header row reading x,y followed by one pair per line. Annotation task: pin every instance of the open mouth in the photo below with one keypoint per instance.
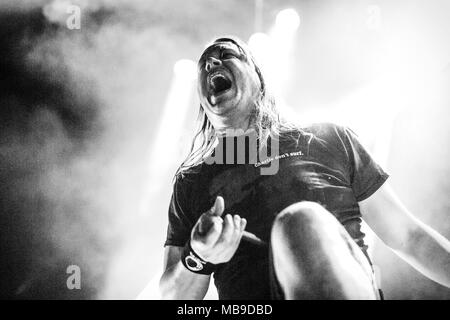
x,y
219,83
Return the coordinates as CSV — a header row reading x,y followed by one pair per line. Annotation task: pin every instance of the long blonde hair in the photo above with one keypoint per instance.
x,y
265,118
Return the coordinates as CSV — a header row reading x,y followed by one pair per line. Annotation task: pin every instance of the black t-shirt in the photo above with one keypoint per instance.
x,y
323,163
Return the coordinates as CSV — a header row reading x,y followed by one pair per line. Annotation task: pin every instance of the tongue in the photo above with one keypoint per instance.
x,y
220,84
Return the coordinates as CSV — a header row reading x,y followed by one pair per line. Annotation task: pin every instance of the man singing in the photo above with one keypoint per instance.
x,y
300,193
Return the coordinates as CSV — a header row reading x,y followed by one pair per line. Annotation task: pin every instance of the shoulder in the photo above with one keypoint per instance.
x,y
187,177
331,133
325,129
326,134
330,139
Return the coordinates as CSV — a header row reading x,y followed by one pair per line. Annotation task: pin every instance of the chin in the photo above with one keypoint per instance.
x,y
222,108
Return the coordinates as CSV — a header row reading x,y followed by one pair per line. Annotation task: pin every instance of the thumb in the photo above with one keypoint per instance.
x,y
218,208
205,222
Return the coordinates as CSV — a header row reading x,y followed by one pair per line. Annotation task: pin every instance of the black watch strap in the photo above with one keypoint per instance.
x,y
194,263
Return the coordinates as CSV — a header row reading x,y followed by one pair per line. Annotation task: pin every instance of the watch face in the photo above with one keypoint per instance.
x,y
193,263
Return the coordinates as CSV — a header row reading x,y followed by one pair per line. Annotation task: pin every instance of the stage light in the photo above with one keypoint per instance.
x,y
282,39
288,20
258,41
186,69
260,44
170,129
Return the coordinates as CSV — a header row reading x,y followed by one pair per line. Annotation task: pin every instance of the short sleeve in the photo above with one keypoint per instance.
x,y
366,176
179,227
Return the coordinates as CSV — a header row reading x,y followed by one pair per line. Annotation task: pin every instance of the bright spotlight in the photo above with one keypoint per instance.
x,y
282,37
186,69
288,20
259,43
258,40
170,130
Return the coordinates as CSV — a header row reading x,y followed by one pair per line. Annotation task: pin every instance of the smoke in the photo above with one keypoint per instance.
x,y
78,112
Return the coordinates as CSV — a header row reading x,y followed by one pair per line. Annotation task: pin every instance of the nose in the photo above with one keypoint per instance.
x,y
212,62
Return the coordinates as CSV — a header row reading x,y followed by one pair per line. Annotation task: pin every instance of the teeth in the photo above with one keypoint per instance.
x,y
215,75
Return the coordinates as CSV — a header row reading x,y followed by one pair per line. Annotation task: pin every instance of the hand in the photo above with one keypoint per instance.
x,y
216,239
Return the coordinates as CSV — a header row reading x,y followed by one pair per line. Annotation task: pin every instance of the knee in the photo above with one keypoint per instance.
x,y
303,213
302,224
297,240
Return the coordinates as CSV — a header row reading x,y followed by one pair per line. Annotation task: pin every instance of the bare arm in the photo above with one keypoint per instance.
x,y
179,283
415,242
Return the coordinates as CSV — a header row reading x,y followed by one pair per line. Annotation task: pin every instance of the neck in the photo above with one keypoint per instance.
x,y
233,126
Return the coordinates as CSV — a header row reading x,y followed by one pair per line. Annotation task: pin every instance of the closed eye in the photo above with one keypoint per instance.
x,y
228,55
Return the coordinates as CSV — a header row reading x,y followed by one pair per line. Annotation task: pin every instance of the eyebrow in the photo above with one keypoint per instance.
x,y
221,47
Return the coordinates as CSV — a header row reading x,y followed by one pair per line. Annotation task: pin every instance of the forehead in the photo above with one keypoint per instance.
x,y
219,46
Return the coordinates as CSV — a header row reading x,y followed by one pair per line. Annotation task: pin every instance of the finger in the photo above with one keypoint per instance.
x,y
237,223
243,224
227,231
237,230
214,232
218,208
204,223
